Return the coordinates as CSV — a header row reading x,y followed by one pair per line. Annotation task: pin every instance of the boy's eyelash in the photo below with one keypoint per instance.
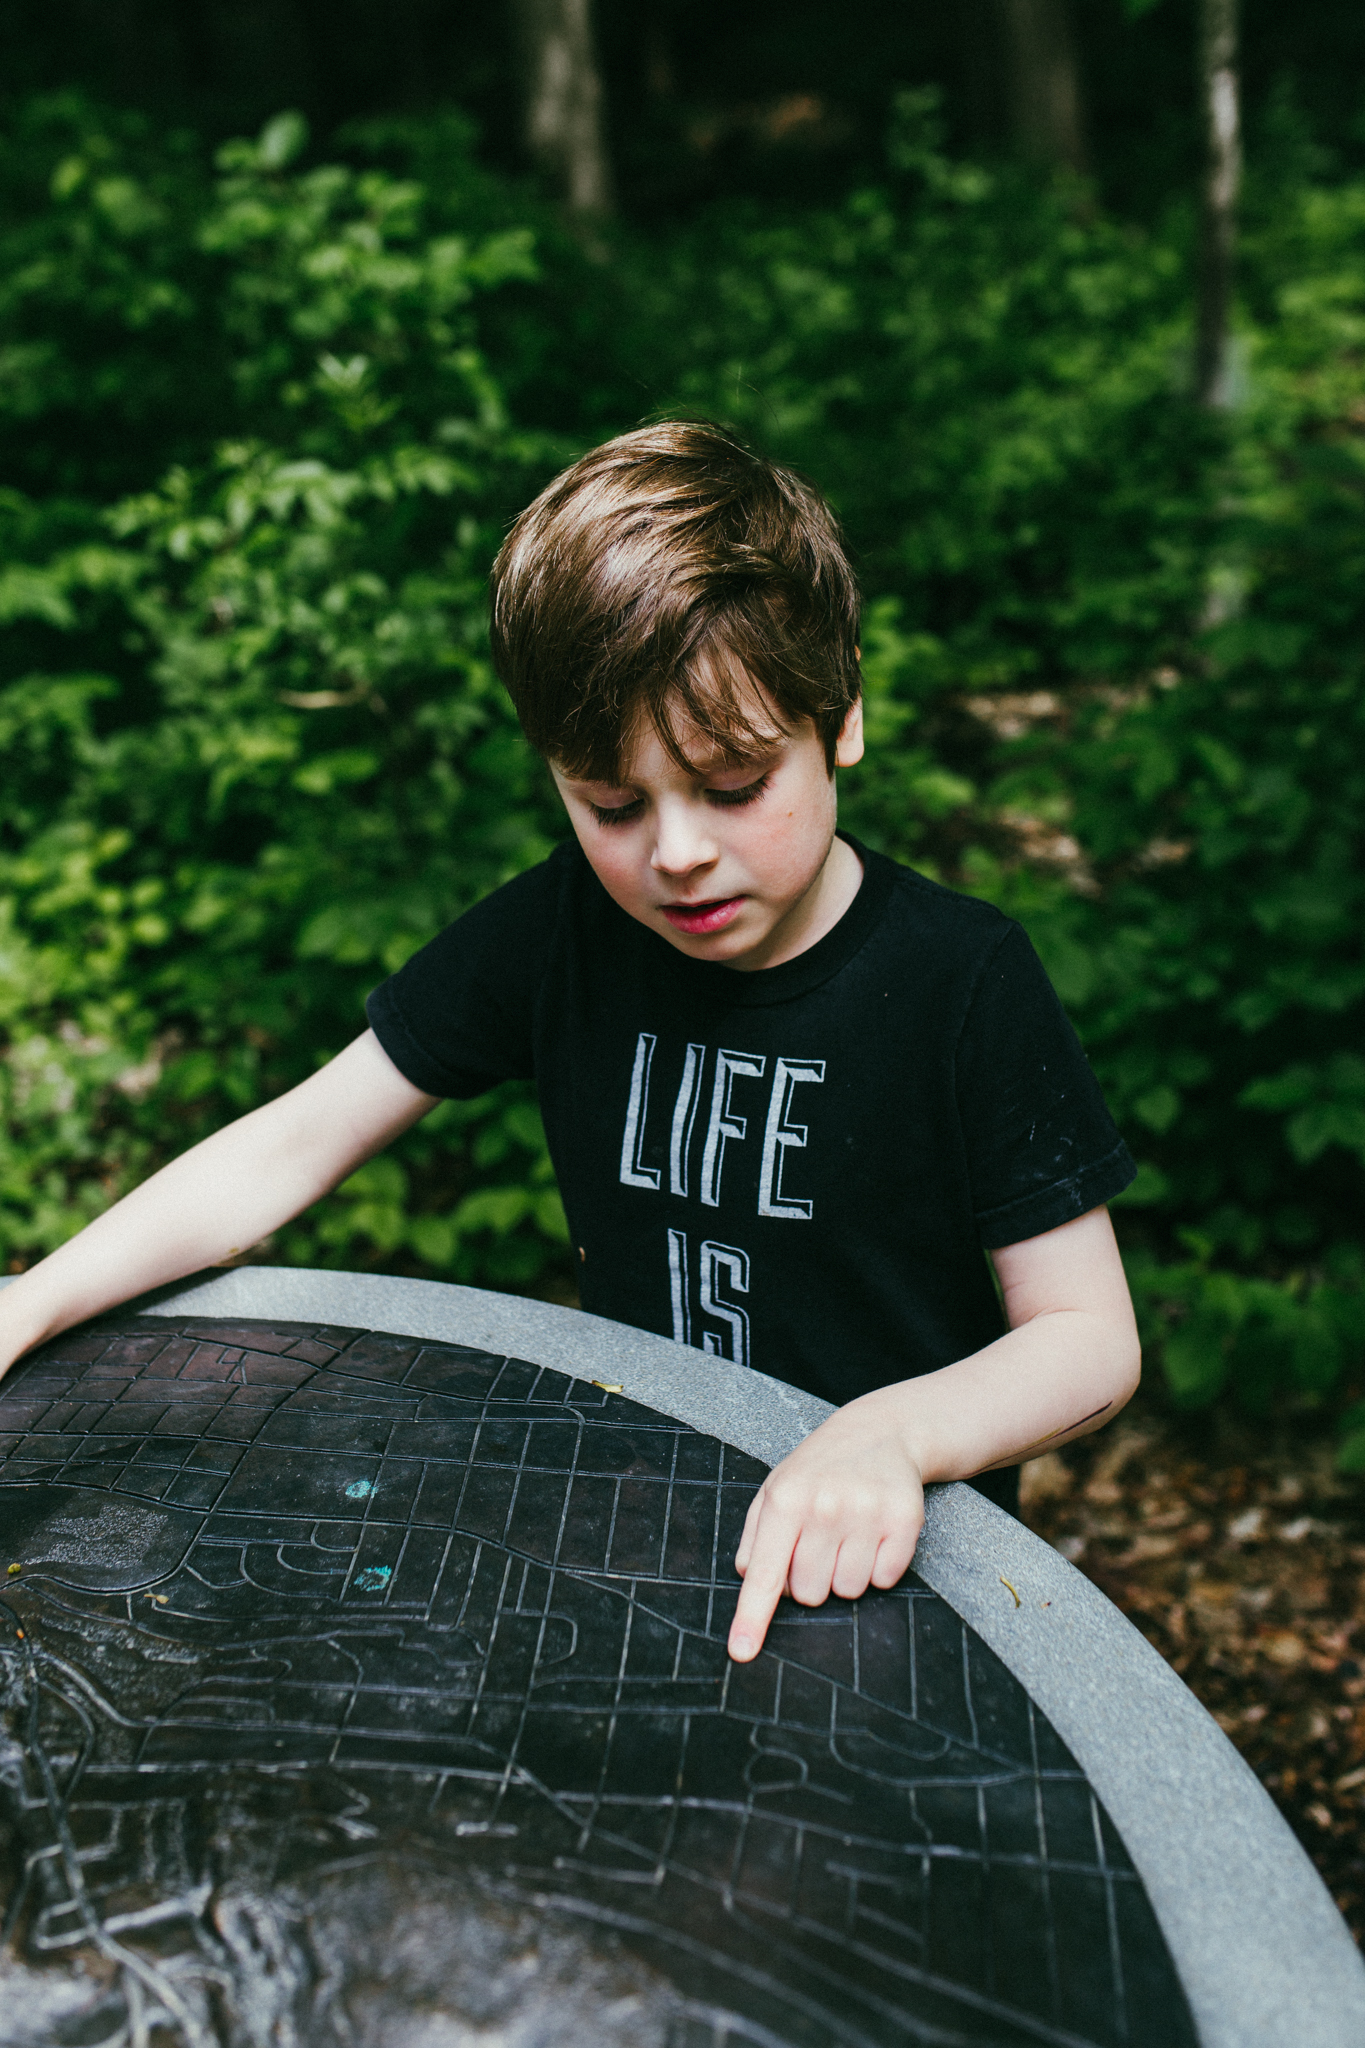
x,y
620,814
728,799
733,798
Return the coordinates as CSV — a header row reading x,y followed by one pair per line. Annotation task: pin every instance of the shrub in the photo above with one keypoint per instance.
x,y
1114,665
254,754
301,766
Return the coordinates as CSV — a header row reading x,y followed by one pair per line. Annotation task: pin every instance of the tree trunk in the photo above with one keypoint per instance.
x,y
1043,81
564,100
1219,96
660,69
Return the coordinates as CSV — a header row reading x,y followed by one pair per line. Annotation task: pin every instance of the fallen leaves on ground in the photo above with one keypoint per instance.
x,y
1240,1554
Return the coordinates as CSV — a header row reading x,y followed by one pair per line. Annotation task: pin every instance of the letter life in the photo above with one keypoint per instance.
x,y
724,1126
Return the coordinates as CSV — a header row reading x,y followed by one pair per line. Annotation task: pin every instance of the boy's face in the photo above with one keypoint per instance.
x,y
733,864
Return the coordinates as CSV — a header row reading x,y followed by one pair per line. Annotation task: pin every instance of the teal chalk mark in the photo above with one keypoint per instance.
x,y
374,1578
360,1489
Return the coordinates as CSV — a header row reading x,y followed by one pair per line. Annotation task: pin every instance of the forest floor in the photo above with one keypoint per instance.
x,y
1240,1554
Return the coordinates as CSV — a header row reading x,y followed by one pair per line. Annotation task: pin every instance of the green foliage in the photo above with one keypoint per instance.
x,y
265,431
304,767
989,389
1114,674
1219,803
108,366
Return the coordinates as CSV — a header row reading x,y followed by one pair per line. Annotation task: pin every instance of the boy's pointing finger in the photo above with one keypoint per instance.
x,y
755,1610
765,1581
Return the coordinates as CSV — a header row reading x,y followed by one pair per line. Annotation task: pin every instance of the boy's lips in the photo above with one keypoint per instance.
x,y
697,919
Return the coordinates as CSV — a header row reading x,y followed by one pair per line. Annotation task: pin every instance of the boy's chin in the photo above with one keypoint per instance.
x,y
735,945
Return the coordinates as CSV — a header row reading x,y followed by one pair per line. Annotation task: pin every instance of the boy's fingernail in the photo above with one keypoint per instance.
x,y
742,1646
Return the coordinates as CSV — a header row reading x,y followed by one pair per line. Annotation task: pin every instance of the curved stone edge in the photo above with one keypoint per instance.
x,y
1263,1954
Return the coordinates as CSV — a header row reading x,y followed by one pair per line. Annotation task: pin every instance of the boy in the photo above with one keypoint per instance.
x,y
790,1089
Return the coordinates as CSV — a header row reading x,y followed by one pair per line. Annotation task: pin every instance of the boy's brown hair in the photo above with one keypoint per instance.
x,y
652,580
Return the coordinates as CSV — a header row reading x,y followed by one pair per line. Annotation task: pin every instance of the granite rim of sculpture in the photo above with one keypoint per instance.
x,y
1262,1954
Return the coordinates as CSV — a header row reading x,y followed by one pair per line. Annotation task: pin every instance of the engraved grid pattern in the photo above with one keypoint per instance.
x,y
485,1605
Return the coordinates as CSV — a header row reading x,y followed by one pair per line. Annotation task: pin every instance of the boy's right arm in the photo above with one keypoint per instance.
x,y
221,1197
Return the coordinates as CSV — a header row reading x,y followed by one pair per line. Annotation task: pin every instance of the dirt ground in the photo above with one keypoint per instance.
x,y
1240,1554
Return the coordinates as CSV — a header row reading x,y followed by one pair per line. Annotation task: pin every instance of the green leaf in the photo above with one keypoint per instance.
x,y
1158,1108
1150,1187
379,1180
281,140
1194,1359
328,772
434,1239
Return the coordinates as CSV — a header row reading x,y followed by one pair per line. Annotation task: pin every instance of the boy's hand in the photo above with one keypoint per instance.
x,y
842,1513
845,1510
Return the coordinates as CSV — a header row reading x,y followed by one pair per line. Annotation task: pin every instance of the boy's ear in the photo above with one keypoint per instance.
x,y
848,748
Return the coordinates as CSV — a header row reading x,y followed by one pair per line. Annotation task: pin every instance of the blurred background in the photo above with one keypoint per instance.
x,y
1063,304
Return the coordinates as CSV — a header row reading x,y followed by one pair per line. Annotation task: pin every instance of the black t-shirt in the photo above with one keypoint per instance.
x,y
797,1166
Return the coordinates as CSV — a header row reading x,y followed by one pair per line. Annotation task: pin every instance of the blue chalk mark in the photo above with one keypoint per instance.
x,y
374,1578
360,1489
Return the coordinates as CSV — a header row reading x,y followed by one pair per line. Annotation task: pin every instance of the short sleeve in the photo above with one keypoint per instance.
x,y
459,1016
1042,1147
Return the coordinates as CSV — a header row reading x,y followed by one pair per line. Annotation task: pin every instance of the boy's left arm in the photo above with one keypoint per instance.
x,y
845,1510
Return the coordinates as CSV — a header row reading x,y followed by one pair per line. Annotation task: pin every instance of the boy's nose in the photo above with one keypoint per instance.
x,y
683,841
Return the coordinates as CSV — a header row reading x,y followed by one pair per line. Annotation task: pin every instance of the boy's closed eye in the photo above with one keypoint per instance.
x,y
747,793
725,799
617,814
